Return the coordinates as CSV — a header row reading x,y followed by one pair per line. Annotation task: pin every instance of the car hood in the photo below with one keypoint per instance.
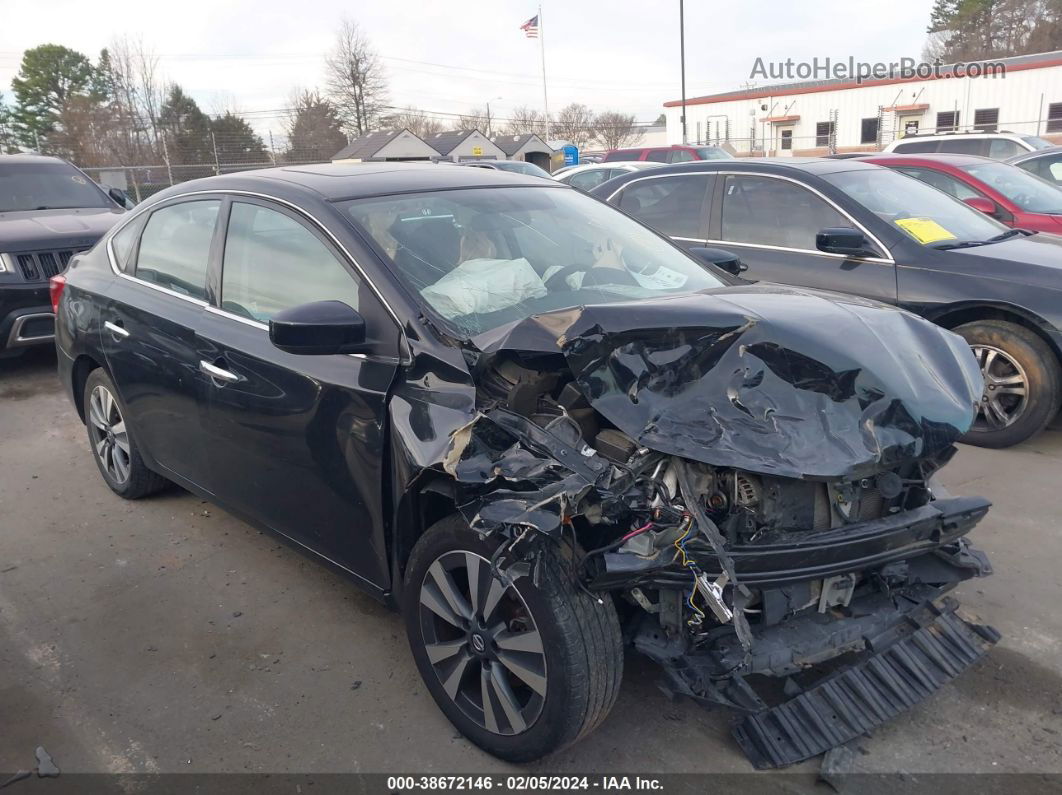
x,y
771,379
1034,260
49,229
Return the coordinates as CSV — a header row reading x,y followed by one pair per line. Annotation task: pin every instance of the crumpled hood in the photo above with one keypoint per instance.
x,y
771,379
55,229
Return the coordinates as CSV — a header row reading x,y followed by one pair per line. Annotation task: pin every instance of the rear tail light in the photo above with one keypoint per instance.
x,y
55,290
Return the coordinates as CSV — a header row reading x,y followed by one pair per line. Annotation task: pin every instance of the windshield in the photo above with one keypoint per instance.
x,y
1028,192
521,167
484,257
925,214
46,186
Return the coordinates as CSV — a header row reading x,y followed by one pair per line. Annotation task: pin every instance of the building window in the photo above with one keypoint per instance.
x,y
1054,117
948,121
823,133
868,131
986,119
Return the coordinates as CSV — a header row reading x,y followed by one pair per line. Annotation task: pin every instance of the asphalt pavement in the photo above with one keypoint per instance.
x,y
166,636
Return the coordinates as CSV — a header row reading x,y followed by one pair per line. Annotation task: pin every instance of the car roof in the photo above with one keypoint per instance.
x,y
336,181
944,158
950,135
810,165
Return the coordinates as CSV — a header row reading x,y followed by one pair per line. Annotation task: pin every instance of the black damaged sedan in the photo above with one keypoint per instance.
x,y
542,431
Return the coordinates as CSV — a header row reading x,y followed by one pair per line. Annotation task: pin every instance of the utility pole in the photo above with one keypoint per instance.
x,y
542,47
682,58
272,151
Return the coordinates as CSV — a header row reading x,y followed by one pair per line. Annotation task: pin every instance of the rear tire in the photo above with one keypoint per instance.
x,y
577,656
113,443
1023,383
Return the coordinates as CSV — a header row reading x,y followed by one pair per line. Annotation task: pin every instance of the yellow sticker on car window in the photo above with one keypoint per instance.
x,y
924,230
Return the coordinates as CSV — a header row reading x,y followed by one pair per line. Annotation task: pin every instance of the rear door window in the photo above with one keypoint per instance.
x,y
681,156
966,146
671,205
920,147
657,155
775,212
175,247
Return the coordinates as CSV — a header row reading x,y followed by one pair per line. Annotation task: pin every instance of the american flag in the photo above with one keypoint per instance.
x,y
530,28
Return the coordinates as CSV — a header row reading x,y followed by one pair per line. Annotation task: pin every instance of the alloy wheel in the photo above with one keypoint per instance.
x,y
482,643
1006,392
110,439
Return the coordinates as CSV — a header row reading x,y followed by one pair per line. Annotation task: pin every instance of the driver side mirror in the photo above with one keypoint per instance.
x,y
318,328
720,258
843,240
982,205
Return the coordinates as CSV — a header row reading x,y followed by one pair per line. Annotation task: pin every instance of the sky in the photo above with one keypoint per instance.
x,y
250,55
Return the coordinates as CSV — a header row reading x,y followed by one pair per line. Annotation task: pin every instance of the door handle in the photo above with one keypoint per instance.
x,y
115,329
217,373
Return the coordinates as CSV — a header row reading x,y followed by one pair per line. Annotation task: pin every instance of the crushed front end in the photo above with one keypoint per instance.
x,y
748,476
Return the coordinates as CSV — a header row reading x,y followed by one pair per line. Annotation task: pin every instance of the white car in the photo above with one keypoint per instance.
x,y
997,145
593,174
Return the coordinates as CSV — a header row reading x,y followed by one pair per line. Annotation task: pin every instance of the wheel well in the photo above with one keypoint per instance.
x,y
421,507
83,366
957,317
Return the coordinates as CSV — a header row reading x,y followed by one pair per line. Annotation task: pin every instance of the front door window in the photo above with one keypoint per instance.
x,y
775,212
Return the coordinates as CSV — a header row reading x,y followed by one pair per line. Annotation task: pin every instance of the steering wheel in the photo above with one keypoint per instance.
x,y
558,279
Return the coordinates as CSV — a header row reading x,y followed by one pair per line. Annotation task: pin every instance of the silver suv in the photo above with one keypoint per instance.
x,y
997,145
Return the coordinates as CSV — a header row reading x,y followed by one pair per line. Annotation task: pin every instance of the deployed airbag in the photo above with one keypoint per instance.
x,y
482,285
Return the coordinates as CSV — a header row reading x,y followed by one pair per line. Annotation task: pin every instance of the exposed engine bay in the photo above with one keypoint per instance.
x,y
820,565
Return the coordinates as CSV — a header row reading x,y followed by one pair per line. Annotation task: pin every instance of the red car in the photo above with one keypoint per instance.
x,y
676,153
1005,192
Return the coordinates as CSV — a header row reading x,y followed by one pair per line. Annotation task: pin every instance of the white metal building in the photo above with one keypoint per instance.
x,y
459,145
385,145
817,116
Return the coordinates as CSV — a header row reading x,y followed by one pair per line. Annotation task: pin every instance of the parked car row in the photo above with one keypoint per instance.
x,y
853,227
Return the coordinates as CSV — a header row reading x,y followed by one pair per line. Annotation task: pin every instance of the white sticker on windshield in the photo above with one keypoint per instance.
x,y
660,279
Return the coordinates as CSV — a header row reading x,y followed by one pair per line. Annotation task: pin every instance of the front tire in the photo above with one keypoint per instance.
x,y
1023,383
522,670
111,440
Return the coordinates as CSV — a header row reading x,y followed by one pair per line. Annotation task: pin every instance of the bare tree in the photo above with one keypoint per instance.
x,y
524,120
615,130
574,123
413,119
356,80
482,119
132,91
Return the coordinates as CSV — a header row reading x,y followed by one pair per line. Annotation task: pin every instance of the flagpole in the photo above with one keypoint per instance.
x,y
542,46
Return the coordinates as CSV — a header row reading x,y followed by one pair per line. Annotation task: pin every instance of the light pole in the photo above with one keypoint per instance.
x,y
489,130
682,58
